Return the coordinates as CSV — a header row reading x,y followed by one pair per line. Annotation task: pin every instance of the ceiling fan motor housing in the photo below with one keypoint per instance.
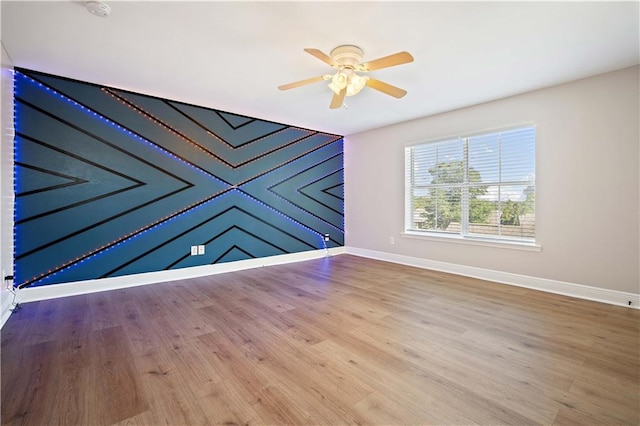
x,y
347,55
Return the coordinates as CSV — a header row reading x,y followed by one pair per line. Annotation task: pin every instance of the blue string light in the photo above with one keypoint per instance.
x,y
108,247
115,125
300,224
228,188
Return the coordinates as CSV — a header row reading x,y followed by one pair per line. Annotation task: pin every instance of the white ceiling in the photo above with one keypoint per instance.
x,y
232,55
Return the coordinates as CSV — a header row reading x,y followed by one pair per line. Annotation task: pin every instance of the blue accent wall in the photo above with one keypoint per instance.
x,y
110,183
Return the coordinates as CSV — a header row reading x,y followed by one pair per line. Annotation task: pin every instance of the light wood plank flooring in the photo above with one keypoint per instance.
x,y
341,340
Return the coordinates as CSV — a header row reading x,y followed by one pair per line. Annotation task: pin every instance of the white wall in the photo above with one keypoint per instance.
x,y
6,186
587,183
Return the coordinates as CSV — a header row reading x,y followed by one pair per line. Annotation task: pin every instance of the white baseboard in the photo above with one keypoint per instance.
x,y
551,286
105,284
93,286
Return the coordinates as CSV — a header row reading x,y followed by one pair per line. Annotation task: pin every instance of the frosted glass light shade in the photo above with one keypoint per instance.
x,y
356,84
338,82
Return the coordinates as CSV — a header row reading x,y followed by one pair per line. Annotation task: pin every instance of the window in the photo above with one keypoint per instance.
x,y
480,186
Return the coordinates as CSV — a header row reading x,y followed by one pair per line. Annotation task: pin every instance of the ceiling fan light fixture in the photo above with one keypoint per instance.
x,y
347,79
339,81
356,84
347,60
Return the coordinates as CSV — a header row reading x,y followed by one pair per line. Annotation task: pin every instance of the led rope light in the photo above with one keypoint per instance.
x,y
124,239
117,126
169,218
192,142
286,163
300,224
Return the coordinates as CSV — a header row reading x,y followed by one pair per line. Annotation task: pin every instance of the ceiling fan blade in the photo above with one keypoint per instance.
x,y
336,101
386,88
387,61
322,56
303,82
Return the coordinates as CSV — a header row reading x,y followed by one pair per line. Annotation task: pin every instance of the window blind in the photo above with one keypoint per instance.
x,y
476,186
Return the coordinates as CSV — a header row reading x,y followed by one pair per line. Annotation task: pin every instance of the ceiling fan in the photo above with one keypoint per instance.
x,y
346,81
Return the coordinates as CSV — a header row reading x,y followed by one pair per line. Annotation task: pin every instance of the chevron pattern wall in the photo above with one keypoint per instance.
x,y
111,183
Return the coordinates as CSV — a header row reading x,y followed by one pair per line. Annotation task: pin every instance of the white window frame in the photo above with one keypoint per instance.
x,y
463,237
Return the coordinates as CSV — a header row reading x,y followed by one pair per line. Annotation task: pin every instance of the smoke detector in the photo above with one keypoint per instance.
x,y
98,8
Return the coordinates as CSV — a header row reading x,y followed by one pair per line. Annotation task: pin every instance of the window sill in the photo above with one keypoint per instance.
x,y
474,241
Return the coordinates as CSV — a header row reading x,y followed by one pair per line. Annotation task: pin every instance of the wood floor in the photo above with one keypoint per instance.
x,y
341,340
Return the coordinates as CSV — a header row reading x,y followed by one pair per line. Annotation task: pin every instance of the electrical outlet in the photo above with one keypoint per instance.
x,y
326,237
194,250
392,240
200,249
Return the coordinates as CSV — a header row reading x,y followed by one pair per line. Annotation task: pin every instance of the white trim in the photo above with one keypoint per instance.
x,y
459,239
93,286
542,284
580,291
5,309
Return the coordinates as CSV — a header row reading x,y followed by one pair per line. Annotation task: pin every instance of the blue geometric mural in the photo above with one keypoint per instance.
x,y
110,183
